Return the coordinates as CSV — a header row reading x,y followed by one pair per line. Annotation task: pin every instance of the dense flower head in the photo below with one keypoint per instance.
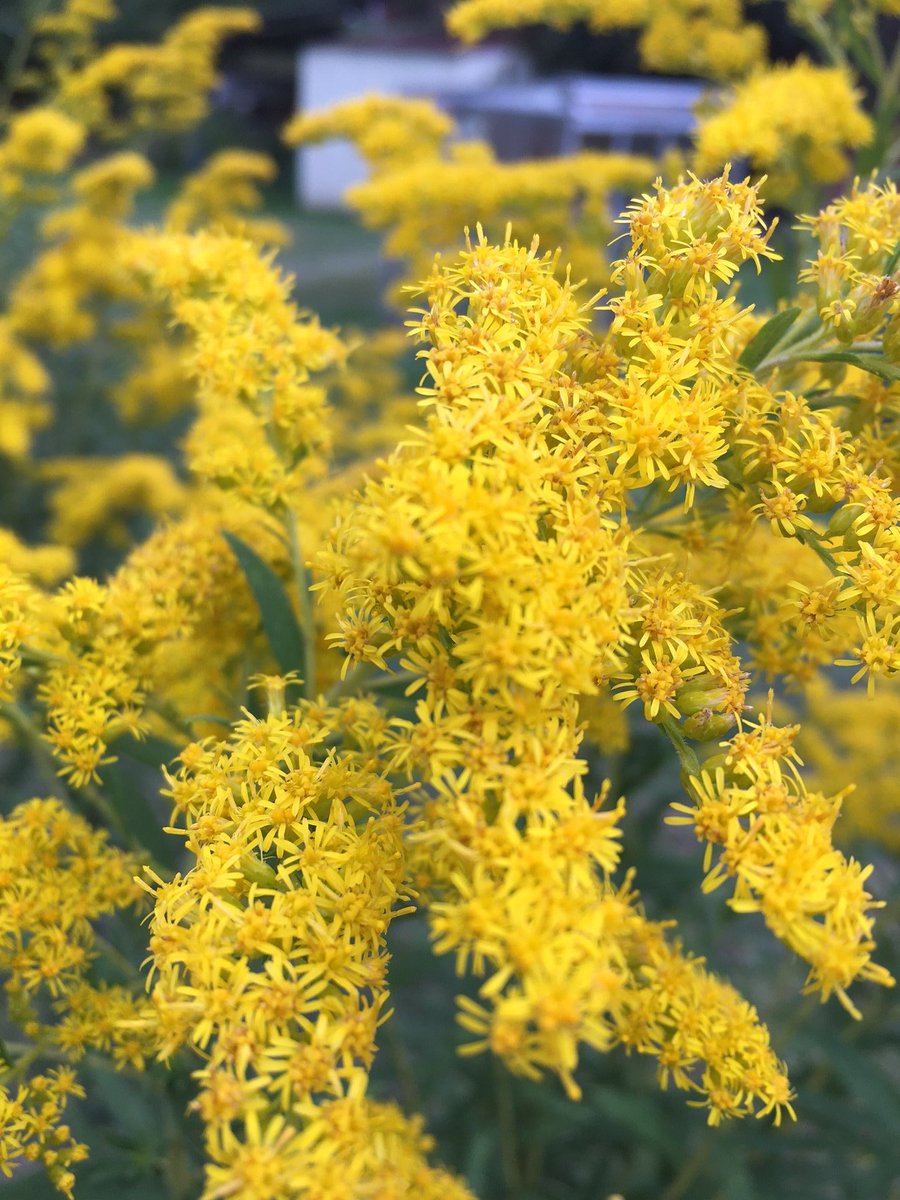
x,y
856,236
774,124
62,296
703,37
621,499
423,197
388,131
41,141
32,1127
57,875
774,837
513,858
262,428
95,496
224,194
296,850
158,87
24,383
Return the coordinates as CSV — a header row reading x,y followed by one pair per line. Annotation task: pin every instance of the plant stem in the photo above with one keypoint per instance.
x,y
686,755
506,1121
307,615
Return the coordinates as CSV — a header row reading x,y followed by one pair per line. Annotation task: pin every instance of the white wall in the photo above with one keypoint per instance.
x,y
333,72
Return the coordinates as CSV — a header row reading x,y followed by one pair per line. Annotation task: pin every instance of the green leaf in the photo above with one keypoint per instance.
x,y
768,337
891,265
151,750
865,362
140,817
278,619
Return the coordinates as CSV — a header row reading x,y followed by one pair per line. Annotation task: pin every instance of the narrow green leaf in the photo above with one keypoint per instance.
x,y
143,819
151,750
278,619
865,362
768,337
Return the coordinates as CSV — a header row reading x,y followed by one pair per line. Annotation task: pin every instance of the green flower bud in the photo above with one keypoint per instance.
x,y
707,726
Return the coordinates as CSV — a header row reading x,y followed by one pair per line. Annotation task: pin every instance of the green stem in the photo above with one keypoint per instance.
x,y
807,537
887,105
792,354
117,958
506,1123
823,35
307,615
686,756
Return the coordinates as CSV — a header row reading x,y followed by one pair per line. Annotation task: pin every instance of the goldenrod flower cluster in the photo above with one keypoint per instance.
x,y
32,1129
60,299
92,496
638,500
508,847
297,850
44,563
388,131
856,234
163,87
774,123
702,37
223,194
23,386
261,429
38,142
57,877
422,197
774,837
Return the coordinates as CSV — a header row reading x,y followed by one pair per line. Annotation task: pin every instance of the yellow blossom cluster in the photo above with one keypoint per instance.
x,y
774,837
176,602
388,131
32,1127
423,198
155,87
261,428
65,39
23,386
296,850
18,623
61,297
514,860
223,194
848,742
702,37
856,236
44,563
57,877
95,496
774,124
38,142
633,500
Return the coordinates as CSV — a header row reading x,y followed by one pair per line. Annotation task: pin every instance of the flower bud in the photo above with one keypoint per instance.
x,y
701,692
843,519
706,725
